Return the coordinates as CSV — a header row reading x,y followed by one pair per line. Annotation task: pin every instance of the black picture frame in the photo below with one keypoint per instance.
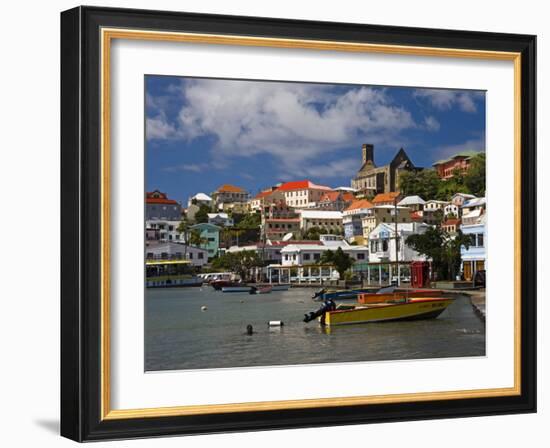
x,y
81,224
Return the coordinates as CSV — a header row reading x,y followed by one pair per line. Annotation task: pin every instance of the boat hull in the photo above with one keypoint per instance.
x,y
236,289
415,309
153,282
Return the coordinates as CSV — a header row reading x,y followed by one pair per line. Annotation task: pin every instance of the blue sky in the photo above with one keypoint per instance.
x,y
201,133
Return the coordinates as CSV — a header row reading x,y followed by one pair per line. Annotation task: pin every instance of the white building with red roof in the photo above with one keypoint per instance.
x,y
302,193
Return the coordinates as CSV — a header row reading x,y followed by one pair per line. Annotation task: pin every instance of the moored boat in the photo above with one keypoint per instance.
x,y
411,309
170,274
325,294
261,289
219,284
396,295
241,288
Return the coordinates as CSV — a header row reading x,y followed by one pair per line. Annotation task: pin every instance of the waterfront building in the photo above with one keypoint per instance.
x,y
383,214
220,219
278,220
269,252
210,234
382,242
299,254
352,220
330,220
156,250
229,194
302,193
371,180
200,199
474,258
159,206
335,200
460,162
163,230
415,203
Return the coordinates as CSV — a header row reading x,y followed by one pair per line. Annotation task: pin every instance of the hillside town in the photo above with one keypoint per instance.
x,y
392,219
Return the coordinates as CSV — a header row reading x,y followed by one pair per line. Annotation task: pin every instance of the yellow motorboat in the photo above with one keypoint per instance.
x,y
411,309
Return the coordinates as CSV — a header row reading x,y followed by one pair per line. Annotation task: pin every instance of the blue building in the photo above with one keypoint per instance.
x,y
211,236
474,258
352,220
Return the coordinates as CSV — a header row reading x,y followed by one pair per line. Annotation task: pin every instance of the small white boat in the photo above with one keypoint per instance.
x,y
243,288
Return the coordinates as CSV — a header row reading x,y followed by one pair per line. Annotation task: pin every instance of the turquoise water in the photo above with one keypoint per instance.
x,y
178,335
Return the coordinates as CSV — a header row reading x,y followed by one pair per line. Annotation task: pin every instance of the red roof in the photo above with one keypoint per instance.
x,y
301,185
228,188
263,194
451,222
157,197
360,203
348,197
330,196
385,197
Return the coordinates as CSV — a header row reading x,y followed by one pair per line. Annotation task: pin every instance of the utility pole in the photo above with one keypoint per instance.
x,y
396,241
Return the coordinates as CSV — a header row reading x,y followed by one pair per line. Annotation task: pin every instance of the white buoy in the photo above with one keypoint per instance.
x,y
275,323
204,308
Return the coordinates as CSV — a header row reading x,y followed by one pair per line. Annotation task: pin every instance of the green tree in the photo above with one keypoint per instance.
x,y
313,233
339,259
202,214
196,239
238,262
474,179
424,183
442,248
249,221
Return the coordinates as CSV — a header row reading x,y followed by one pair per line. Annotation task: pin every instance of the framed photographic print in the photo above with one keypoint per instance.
x,y
273,223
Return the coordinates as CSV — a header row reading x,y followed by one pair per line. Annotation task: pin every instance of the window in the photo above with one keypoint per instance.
x,y
190,255
360,256
316,257
384,245
480,240
211,239
201,256
307,257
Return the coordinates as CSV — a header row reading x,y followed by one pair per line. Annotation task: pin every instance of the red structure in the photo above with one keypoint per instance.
x,y
459,162
420,274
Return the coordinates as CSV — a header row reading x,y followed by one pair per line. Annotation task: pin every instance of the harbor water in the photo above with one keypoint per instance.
x,y
200,328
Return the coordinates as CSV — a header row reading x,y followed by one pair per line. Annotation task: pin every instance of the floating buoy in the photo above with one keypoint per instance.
x,y
204,308
249,329
275,323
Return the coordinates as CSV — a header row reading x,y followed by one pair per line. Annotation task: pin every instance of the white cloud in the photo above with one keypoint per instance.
x,y
293,123
193,167
447,99
431,123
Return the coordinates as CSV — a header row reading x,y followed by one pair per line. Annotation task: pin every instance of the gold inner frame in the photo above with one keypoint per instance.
x,y
107,35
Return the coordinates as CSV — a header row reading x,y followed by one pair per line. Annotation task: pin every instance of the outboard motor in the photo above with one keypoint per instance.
x,y
328,305
253,290
319,294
